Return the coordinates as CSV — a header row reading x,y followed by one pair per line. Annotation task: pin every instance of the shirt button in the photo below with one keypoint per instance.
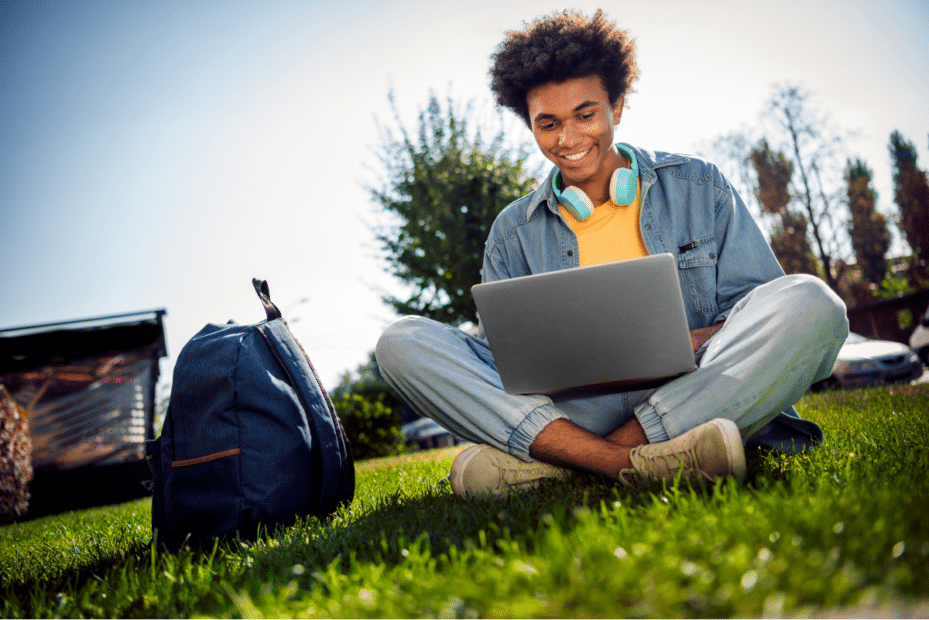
x,y
712,255
570,252
648,227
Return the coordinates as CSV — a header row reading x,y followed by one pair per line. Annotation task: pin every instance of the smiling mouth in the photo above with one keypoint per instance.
x,y
576,156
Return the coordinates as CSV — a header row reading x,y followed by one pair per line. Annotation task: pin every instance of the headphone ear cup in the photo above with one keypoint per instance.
x,y
577,203
623,186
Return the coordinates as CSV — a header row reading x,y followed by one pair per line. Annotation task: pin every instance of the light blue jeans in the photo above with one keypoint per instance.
x,y
778,340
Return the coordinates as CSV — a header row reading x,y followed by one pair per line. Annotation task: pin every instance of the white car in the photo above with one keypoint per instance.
x,y
864,362
919,339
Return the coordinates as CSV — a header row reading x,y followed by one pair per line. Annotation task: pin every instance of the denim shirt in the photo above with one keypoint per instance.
x,y
688,209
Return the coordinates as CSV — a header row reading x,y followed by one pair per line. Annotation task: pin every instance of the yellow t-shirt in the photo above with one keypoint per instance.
x,y
612,233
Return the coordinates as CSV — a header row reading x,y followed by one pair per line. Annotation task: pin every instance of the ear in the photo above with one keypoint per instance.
x,y
618,110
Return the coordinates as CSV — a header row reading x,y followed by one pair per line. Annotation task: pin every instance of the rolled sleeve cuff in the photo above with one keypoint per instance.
x,y
524,434
651,423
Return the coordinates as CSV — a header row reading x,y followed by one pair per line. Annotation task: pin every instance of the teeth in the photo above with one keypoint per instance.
x,y
577,156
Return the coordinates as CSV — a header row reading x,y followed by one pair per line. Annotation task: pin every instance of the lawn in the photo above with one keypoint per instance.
x,y
841,529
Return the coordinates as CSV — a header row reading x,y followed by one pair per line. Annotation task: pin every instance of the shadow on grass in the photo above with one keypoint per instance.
x,y
381,529
384,531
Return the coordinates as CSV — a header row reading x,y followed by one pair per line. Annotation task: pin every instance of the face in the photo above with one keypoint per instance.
x,y
573,122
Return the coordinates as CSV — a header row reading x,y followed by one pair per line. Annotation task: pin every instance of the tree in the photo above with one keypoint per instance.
x,y
442,191
911,193
791,246
868,228
732,152
773,172
811,145
371,412
799,194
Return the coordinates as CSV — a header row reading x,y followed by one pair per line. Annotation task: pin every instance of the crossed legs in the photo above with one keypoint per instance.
x,y
777,341
566,444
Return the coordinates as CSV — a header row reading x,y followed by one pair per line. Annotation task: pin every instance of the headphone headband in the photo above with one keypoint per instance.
x,y
631,157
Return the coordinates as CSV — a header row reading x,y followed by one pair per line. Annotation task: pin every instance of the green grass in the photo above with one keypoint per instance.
x,y
844,526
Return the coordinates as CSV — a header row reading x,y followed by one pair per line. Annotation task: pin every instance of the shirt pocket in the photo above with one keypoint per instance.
x,y
696,264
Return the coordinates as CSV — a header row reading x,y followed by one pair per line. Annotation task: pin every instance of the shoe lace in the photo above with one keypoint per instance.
x,y
663,467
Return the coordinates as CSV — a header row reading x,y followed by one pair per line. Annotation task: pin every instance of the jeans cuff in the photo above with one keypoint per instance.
x,y
524,434
651,423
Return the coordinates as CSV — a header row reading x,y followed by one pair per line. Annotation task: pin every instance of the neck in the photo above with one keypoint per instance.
x,y
597,188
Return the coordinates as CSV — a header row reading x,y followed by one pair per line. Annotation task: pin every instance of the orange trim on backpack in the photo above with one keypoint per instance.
x,y
205,459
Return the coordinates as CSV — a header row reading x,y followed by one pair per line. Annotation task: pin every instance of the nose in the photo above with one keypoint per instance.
x,y
568,135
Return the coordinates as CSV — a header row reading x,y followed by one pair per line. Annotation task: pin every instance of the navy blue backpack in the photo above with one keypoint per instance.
x,y
251,439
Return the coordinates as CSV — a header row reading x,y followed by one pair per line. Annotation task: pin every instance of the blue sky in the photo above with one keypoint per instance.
x,y
161,154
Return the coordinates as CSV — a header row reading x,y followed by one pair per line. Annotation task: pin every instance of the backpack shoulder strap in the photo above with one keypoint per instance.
x,y
330,446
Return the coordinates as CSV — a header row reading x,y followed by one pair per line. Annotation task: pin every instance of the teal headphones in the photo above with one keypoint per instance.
x,y
622,189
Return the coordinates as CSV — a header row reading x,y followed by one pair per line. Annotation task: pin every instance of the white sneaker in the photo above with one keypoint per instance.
x,y
482,471
706,452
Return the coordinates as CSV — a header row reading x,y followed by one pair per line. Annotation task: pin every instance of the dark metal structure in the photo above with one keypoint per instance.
x,y
88,389
881,320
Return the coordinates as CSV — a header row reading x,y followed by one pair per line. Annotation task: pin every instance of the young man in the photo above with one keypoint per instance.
x,y
761,338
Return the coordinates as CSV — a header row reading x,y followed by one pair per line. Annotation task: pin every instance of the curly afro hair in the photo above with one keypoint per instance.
x,y
560,47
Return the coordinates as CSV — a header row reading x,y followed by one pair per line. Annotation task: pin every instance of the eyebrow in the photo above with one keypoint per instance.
x,y
544,116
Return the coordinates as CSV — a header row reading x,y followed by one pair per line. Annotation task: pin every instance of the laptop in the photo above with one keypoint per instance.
x,y
589,329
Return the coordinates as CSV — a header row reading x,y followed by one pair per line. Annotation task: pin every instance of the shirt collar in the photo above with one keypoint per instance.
x,y
648,161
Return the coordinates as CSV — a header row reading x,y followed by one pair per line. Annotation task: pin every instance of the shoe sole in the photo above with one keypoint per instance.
x,y
462,461
459,465
735,449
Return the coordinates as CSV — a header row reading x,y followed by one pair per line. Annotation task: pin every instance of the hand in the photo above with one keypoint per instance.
x,y
700,335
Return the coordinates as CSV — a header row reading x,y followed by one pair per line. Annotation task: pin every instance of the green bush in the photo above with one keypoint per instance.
x,y
371,423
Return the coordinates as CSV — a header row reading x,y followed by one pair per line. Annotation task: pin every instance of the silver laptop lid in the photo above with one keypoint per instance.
x,y
618,325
